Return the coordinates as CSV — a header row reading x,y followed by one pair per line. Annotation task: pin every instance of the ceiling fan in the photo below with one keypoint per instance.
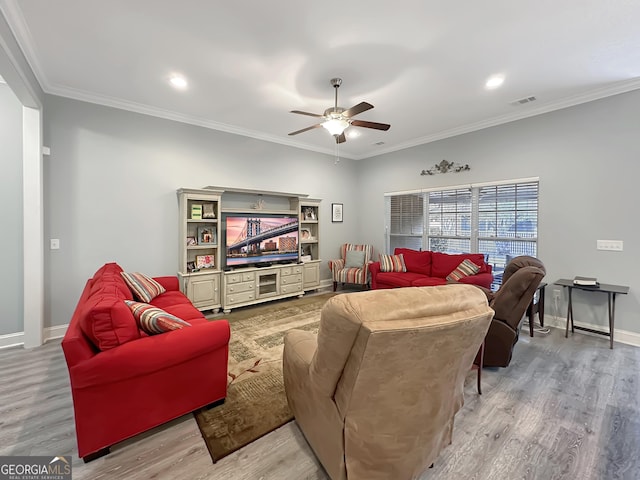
x,y
337,119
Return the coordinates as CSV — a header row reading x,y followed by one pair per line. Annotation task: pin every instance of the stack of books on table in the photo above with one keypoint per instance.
x,y
586,281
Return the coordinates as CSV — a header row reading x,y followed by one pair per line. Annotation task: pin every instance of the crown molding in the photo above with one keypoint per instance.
x,y
113,102
18,26
21,32
617,88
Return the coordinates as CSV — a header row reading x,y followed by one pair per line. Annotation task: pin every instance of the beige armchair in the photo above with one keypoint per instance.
x,y
376,390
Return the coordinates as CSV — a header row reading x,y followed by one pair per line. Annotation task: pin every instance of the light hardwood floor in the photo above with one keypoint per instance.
x,y
564,409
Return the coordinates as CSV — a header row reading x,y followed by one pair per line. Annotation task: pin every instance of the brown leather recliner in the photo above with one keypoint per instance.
x,y
376,390
520,280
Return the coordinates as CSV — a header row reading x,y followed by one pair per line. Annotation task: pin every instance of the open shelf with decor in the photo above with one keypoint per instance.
x,y
199,247
240,247
309,212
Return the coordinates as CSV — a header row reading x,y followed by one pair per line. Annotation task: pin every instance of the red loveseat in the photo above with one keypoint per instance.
x,y
427,268
123,381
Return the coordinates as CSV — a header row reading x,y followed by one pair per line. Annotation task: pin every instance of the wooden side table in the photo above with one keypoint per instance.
x,y
610,290
536,307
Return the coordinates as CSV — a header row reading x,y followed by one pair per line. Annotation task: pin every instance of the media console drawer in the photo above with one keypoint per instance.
x,y
241,297
240,287
239,277
292,288
292,270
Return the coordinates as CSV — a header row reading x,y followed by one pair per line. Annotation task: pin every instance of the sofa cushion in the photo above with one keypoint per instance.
x,y
112,280
107,321
397,279
154,320
354,259
392,263
428,282
186,312
108,268
416,261
143,287
465,269
443,263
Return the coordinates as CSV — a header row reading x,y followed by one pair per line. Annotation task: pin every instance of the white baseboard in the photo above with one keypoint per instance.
x,y
11,339
16,339
622,336
58,331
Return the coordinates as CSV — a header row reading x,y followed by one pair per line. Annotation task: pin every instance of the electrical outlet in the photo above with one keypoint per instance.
x,y
557,293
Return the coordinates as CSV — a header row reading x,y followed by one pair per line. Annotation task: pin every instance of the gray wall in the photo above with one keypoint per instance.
x,y
111,181
11,309
588,160
111,178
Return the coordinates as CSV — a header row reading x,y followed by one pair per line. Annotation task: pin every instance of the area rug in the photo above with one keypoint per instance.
x,y
256,403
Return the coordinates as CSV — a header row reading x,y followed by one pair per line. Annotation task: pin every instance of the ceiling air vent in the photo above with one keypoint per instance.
x,y
522,101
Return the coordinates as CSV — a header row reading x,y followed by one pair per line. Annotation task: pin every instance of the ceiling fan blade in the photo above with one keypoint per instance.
x,y
307,113
377,126
305,129
356,109
341,138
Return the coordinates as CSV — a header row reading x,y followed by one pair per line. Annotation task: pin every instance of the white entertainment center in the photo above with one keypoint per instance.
x,y
204,275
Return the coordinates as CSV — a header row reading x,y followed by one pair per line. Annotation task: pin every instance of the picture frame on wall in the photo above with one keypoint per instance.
x,y
336,212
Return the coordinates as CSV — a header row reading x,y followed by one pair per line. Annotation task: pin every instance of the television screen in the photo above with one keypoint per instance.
x,y
252,239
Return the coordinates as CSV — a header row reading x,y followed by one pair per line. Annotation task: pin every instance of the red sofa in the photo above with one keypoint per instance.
x,y
124,381
427,268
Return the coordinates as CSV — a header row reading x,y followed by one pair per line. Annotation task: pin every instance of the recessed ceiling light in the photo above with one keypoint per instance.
x,y
178,81
494,81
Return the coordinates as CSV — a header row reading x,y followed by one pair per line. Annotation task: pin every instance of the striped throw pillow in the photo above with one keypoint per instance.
x,y
143,287
392,263
153,320
465,269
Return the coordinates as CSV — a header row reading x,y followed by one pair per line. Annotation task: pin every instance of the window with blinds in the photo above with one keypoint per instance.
x,y
406,221
499,220
449,221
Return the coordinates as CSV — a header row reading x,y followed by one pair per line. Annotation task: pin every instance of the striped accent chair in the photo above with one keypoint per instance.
x,y
352,267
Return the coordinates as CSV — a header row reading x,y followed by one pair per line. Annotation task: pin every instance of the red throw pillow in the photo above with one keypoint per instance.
x,y
107,321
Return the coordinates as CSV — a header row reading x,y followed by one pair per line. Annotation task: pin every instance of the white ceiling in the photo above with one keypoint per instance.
x,y
422,64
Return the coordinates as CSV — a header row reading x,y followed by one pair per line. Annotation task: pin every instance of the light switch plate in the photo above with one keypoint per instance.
x,y
54,243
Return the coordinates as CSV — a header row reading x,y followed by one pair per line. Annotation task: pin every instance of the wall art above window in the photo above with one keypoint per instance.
x,y
446,167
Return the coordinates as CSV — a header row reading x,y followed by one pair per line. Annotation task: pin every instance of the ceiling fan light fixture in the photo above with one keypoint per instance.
x,y
336,126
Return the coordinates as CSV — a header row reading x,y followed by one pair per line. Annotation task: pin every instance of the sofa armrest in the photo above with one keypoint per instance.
x,y
481,279
170,283
150,354
374,269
